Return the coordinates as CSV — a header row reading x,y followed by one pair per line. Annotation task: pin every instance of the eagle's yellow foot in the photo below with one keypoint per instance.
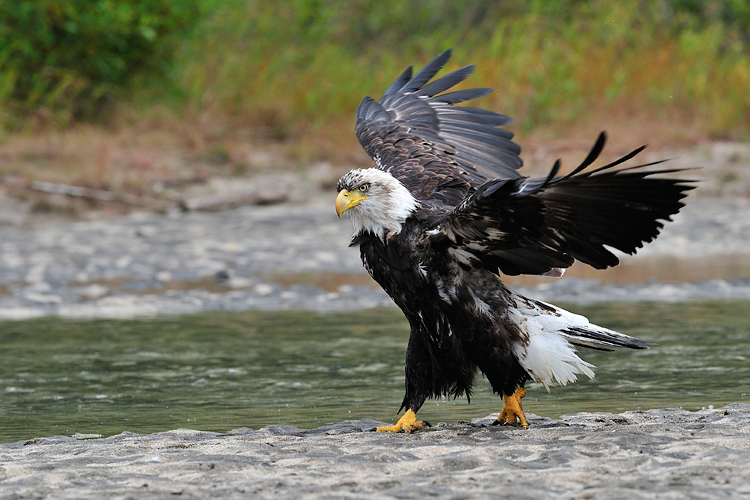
x,y
408,423
512,411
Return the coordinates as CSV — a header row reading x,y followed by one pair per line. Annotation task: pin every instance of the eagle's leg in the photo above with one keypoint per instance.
x,y
407,424
512,412
415,371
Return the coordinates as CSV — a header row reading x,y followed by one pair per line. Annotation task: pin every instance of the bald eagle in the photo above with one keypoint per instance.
x,y
446,212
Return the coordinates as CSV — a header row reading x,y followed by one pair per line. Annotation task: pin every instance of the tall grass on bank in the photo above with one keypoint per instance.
x,y
69,60
297,69
300,67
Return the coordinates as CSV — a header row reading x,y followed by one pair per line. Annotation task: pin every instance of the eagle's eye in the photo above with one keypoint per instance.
x,y
363,188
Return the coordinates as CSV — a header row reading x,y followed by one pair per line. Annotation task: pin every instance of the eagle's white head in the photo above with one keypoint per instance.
x,y
375,201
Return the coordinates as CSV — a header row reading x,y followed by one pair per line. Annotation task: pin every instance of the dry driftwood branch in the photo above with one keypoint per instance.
x,y
100,194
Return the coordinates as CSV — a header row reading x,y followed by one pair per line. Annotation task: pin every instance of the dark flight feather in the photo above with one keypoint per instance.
x,y
462,95
591,157
399,83
444,83
426,73
586,337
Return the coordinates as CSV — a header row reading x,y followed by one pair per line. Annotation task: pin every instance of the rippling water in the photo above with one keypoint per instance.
x,y
221,371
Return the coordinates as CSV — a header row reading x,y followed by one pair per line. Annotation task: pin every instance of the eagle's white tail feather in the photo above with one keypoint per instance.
x,y
548,356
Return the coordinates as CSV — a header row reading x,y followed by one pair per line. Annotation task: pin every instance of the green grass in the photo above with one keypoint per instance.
x,y
296,70
300,69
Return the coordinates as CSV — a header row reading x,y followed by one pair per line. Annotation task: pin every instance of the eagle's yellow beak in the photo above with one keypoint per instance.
x,y
346,200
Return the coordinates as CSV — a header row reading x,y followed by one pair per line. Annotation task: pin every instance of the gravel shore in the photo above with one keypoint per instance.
x,y
660,454
273,257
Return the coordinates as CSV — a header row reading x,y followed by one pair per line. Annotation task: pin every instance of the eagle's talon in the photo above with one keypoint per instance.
x,y
512,413
406,424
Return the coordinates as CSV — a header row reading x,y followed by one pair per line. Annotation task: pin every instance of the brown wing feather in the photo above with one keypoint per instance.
x,y
440,152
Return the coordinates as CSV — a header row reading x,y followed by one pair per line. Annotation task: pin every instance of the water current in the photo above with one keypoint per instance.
x,y
221,371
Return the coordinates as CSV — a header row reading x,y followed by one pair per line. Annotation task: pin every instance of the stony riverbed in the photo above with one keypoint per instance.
x,y
297,257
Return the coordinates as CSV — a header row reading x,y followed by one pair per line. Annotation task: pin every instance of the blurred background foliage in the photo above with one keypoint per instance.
x,y
298,68
71,59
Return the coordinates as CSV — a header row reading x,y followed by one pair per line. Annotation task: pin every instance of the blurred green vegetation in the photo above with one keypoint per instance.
x,y
70,59
299,67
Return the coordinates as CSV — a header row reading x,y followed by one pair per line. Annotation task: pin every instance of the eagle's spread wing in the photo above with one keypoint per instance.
x,y
532,226
463,170
440,152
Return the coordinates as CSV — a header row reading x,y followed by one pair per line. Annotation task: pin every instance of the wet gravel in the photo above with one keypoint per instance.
x,y
267,257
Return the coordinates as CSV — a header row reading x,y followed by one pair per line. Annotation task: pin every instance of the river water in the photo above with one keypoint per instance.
x,y
219,371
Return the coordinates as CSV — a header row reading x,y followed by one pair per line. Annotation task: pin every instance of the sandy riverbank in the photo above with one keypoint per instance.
x,y
668,453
